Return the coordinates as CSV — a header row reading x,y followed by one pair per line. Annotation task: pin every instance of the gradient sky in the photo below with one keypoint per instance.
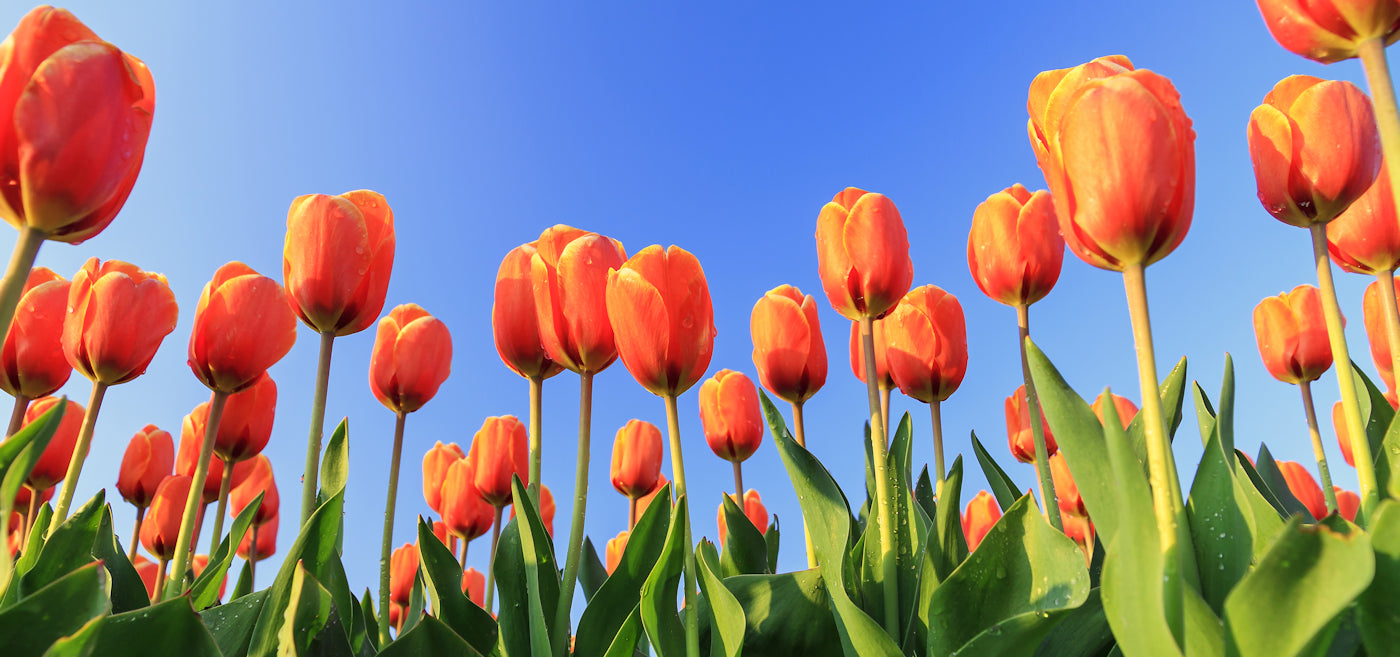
x,y
721,127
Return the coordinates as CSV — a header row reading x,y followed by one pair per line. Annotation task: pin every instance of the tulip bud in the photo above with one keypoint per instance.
x,y
1365,239
1339,424
149,572
474,585
117,317
514,323
981,514
246,424
52,465
242,326
660,311
31,362
547,509
15,532
337,259
1327,30
616,546
403,568
863,254
1014,248
1018,429
443,535
1066,491
730,416
435,464
1315,149
148,460
1373,315
882,358
412,357
397,615
788,349
569,277
465,513
267,541
1078,528
645,501
161,528
497,453
1347,503
256,479
1125,408
187,455
1292,336
1304,487
636,459
753,509
926,338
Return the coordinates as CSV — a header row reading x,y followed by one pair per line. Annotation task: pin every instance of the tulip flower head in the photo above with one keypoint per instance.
x,y
753,509
1066,491
187,455
25,495
636,459
569,280
466,514
1015,249
882,358
32,362
730,415
498,452
659,307
149,572
1329,31
1304,487
1018,429
412,357
615,548
926,342
435,465
246,425
514,322
474,585
1292,336
117,317
1373,315
242,326
863,254
1078,528
1347,503
267,541
1365,239
148,460
256,479
161,528
981,514
337,259
403,568
788,349
52,465
1125,408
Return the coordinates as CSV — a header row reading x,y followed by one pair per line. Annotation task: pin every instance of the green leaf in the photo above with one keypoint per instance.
x,y
68,549
311,625
592,572
1375,409
1205,413
1376,612
57,610
128,591
244,585
771,539
1083,631
1003,488
371,622
658,605
1387,457
442,577
1172,392
81,644
1226,415
314,549
429,637
167,628
1273,478
417,604
924,495
786,614
1242,461
335,465
232,624
1222,529
624,644
952,545
32,548
726,617
607,614
1265,518
745,551
205,590
543,589
18,454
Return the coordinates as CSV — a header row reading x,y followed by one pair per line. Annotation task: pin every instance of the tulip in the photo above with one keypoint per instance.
x,y
1079,529
788,349
246,425
1347,503
464,512
404,568
1066,491
259,543
516,328
1365,239
242,326
397,615
474,585
1376,317
148,460
52,465
1327,30
14,532
192,432
31,362
615,548
1303,487
435,465
863,254
444,536
753,509
1339,425
547,509
730,417
161,531
1018,429
636,463
569,276
336,262
27,502
1014,248
257,479
149,572
927,351
1124,407
497,453
981,514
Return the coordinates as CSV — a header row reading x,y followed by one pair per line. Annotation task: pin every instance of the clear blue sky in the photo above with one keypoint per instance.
x,y
720,127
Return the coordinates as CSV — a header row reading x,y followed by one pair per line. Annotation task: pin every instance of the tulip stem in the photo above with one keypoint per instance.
x,y
164,569
798,430
536,420
313,440
1372,55
225,484
560,640
198,529
1392,316
631,513
194,502
1327,493
464,561
75,463
385,548
888,567
739,484
17,415
135,533
253,560
1042,452
21,261
1346,381
491,563
673,429
34,504
1166,487
935,410
885,411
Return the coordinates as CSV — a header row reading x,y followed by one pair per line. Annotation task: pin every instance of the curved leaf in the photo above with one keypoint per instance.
x,y
616,600
745,551
1376,612
205,590
1003,488
442,578
786,614
726,617
57,610
658,606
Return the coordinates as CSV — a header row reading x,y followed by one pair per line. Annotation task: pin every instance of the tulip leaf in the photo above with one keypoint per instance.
x,y
1376,612
1268,471
745,551
442,579
658,602
726,617
429,636
924,495
541,576
1376,412
18,454
1265,493
244,585
952,544
624,644
1265,518
205,590
231,624
786,614
908,535
1172,393
1222,529
128,591
57,610
1205,413
314,549
1003,488
335,466
1307,579
83,643
167,628
311,624
592,572
616,600
771,540
68,548
1226,414
371,642
1082,631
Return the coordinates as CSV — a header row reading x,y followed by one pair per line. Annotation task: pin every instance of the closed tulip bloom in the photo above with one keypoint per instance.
x,y
1292,336
31,362
246,424
1018,429
1118,154
514,322
547,509
981,514
926,339
1347,503
267,541
1330,30
443,535
117,317
435,465
1373,316
863,254
1014,248
730,415
397,615
148,460
52,465
337,259
412,357
1365,239
645,501
1304,487
499,452
242,326
659,307
474,585
1066,491
1125,408
1078,528
187,455
15,531
569,280
77,112
616,546
1315,149
882,358
466,514
636,458
1339,424
753,509
149,572
788,349
161,528
403,568
257,479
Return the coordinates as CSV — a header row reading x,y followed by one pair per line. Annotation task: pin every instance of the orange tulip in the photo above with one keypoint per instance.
x,y
1347,503
660,311
569,277
77,112
616,546
443,535
926,339
148,460
1304,487
187,455
246,424
882,359
1365,239
403,568
1339,424
337,259
1315,149
161,528
1373,315
435,465
1292,336
1078,528
15,532
753,509
1014,248
52,465
547,509
1018,429
636,459
1066,491
465,513
474,585
31,361
981,514
149,572
730,415
243,326
412,357
863,254
1330,30
397,615
514,323
1125,408
267,541
645,501
117,317
1119,156
497,453
788,349
257,479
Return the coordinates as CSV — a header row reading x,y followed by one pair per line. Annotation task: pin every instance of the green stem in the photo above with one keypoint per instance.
x,y
225,484
1042,452
195,499
491,564
885,410
560,640
164,569
536,422
136,533
883,504
935,410
17,415
1308,409
673,429
798,430
75,463
253,559
1386,280
386,546
313,440
1372,54
739,485
21,261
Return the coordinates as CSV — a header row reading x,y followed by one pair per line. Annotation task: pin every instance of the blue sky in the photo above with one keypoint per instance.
x,y
720,127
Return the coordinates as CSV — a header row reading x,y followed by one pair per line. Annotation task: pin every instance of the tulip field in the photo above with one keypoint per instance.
x,y
1106,526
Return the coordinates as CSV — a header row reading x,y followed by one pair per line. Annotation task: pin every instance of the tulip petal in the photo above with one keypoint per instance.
x,y
833,264
782,342
691,315
325,259
878,247
637,312
1339,155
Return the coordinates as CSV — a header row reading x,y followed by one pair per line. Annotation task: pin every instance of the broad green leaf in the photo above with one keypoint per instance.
x,y
745,552
771,540
417,605
1242,461
658,606
1377,612
1387,457
916,639
371,622
311,625
1222,527
81,644
1172,392
1273,478
315,550
1376,412
442,578
542,584
167,628
231,624
205,590
952,545
1083,631
359,631
624,644
1265,518
1205,413
244,585
1226,415
592,571
924,495
429,637
335,464
57,610
68,549
1003,488
32,548
18,454
616,600
726,617
786,614
128,591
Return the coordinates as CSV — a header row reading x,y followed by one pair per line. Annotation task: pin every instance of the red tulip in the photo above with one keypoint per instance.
x,y
753,509
659,307
499,451
863,254
636,459
187,455
981,514
397,615
1339,424
514,323
243,326
465,513
788,349
52,465
246,424
615,548
412,357
435,464
1015,249
148,460
337,259
161,528
77,112
1347,503
443,535
267,541
149,572
1066,491
1304,487
882,359
117,317
569,276
403,568
1119,156
1292,336
1018,429
1330,30
926,338
1365,239
31,361
730,415
1125,408
257,479
474,585
1373,315
1315,149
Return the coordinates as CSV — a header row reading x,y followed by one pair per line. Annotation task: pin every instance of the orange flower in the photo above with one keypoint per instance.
x,y
616,546
636,459
1125,408
474,585
403,568
981,514
77,112
31,361
187,455
1078,528
465,513
15,532
1373,316
1066,491
1315,149
148,460
569,276
243,325
412,357
1018,429
1365,239
1292,337
645,501
267,540
730,416
882,358
397,615
1330,30
1119,156
337,259
246,424
660,311
117,317
788,349
499,452
514,323
1347,503
1014,248
149,572
927,344
863,254
1339,424
443,535
1304,487
547,509
435,465
161,528
256,479
52,465
753,508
